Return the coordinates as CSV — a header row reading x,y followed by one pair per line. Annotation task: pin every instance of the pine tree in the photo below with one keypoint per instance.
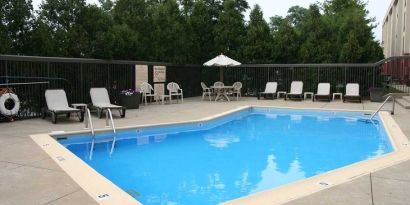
x,y
258,40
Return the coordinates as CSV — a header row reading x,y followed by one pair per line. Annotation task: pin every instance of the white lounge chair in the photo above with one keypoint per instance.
x,y
323,92
271,88
57,103
206,91
147,92
237,87
296,90
352,93
175,90
101,101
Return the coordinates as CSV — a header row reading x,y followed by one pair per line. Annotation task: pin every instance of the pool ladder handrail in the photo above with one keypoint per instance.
x,y
108,114
89,122
382,105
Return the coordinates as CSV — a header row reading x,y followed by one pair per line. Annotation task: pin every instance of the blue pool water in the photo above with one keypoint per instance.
x,y
234,156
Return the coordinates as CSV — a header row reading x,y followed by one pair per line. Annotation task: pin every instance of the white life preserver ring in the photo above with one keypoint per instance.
x,y
7,111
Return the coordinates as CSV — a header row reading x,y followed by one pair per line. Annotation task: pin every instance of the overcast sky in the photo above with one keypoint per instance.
x,y
377,8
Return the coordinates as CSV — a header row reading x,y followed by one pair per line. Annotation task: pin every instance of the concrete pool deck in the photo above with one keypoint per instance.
x,y
29,176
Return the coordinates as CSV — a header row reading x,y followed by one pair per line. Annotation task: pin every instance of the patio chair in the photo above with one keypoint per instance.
x,y
237,86
101,101
323,92
206,91
219,84
175,90
270,89
352,93
296,90
57,104
147,92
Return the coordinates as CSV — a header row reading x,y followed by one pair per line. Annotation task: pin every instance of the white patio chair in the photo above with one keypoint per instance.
x,y
175,90
323,92
219,84
206,91
296,90
101,101
57,103
352,93
147,92
271,88
236,90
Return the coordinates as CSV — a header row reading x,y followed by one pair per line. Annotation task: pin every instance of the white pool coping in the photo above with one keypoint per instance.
x,y
104,192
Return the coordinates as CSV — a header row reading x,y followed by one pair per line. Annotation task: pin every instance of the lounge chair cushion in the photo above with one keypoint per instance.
x,y
57,101
100,98
352,90
271,88
296,88
323,89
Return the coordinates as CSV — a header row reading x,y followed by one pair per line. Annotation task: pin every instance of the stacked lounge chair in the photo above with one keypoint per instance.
x,y
271,88
101,101
57,104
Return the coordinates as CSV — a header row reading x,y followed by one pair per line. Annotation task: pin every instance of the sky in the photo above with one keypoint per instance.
x,y
377,9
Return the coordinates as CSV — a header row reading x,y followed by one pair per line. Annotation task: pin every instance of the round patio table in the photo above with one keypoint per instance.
x,y
222,91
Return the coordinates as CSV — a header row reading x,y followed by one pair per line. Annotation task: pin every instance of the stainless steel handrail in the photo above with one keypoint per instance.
x,y
89,122
381,106
109,114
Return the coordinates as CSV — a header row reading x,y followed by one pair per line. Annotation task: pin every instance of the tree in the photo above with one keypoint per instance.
x,y
168,34
230,30
201,23
297,15
64,19
258,40
16,23
286,41
352,31
316,46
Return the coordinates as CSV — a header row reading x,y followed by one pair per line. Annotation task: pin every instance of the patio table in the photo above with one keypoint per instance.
x,y
222,91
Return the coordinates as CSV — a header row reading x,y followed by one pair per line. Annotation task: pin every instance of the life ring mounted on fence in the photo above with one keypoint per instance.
x,y
9,104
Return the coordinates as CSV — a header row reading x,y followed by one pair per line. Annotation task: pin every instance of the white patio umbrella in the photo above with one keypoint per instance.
x,y
222,61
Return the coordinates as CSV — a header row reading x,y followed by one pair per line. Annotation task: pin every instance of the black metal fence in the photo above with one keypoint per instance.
x,y
254,77
29,77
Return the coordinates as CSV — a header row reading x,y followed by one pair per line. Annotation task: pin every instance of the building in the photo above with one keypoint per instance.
x,y
396,38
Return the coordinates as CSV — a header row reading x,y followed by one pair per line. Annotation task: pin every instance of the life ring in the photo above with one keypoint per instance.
x,y
9,104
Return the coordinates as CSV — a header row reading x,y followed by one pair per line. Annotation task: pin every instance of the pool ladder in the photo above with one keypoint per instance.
x,y
383,104
108,121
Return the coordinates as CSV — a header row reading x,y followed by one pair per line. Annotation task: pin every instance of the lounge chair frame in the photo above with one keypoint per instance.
x,y
322,88
102,103
271,88
295,93
352,93
62,108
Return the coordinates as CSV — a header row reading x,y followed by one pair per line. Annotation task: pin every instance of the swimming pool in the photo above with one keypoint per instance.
x,y
243,153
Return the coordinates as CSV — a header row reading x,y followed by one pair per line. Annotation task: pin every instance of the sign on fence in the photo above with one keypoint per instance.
x,y
141,75
160,74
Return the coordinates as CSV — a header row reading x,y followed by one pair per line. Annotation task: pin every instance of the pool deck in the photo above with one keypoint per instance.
x,y
29,176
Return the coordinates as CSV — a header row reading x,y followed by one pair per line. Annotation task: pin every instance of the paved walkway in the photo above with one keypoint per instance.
x,y
29,176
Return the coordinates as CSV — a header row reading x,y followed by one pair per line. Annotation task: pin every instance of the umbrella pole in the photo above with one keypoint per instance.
x,y
221,74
